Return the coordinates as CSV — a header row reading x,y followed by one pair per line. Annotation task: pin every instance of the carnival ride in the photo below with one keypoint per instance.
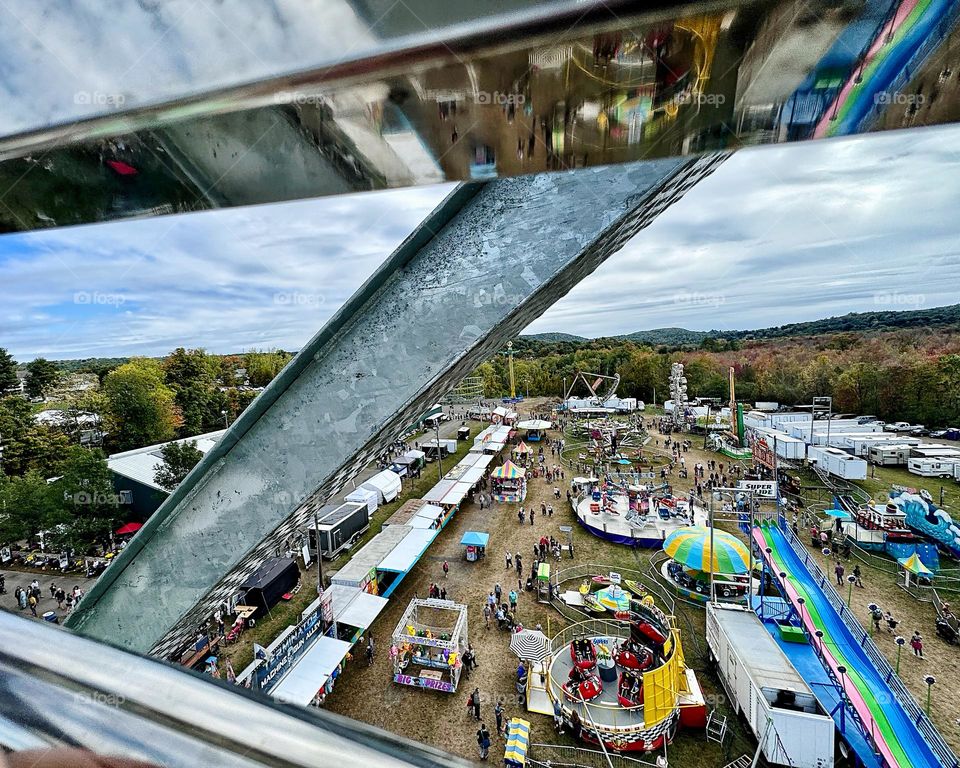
x,y
869,694
625,678
638,515
691,551
596,399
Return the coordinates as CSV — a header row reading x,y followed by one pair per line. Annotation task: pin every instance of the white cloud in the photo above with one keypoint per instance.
x,y
776,235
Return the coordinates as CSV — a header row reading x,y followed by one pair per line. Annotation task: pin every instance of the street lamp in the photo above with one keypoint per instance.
x,y
851,580
225,423
929,680
900,641
842,670
801,601
819,635
873,607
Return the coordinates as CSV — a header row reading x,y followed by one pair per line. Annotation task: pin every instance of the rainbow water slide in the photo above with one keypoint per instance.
x,y
895,733
895,45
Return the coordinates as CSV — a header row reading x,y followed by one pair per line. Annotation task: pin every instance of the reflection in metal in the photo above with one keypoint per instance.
x,y
482,266
60,690
350,96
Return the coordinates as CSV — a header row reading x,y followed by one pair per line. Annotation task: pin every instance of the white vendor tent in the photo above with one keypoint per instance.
x,y
311,672
366,496
408,551
386,484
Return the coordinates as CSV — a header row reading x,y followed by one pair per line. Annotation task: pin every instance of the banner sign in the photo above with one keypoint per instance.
x,y
764,489
763,454
424,682
293,647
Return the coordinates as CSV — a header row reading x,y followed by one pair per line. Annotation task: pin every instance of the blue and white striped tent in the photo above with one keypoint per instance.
x,y
518,739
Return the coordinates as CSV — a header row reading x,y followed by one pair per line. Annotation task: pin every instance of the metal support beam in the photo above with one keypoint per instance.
x,y
485,263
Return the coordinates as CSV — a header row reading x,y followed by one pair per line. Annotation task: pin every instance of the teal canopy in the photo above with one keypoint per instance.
x,y
475,539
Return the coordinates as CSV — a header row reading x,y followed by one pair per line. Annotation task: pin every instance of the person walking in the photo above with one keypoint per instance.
x,y
32,602
497,591
838,569
858,576
483,741
446,569
509,560
513,600
476,703
557,716
498,712
916,642
486,616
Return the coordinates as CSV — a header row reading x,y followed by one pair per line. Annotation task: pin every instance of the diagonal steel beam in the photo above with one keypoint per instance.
x,y
489,260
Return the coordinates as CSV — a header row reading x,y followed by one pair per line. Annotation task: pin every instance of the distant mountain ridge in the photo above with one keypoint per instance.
x,y
884,320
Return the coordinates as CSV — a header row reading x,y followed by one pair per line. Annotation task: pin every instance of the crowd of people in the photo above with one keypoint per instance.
x,y
29,598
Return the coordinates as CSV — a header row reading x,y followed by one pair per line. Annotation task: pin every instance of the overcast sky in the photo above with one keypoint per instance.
x,y
776,235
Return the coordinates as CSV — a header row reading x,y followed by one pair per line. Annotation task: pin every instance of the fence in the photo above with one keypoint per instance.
x,y
900,692
557,756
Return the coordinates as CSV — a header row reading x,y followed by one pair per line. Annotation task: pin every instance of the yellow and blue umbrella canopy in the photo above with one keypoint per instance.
x,y
690,546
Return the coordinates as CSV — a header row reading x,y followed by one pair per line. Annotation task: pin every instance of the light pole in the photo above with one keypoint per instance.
x,y
316,532
873,625
225,423
439,450
843,695
929,680
900,641
851,580
713,592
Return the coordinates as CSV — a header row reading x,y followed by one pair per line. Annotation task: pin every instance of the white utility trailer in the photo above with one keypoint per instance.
x,y
765,687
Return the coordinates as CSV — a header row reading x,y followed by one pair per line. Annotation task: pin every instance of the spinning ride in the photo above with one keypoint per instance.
x,y
625,679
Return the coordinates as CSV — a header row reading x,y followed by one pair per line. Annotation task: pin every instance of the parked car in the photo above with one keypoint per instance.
x,y
902,426
919,431
950,433
866,419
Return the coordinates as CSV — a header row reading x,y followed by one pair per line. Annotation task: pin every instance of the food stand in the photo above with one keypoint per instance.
x,y
476,544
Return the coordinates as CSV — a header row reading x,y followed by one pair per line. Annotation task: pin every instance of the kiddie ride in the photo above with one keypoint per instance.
x,y
608,679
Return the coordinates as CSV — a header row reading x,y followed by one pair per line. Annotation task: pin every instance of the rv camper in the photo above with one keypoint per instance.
x,y
895,455
933,467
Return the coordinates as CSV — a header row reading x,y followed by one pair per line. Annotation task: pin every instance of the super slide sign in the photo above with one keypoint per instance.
x,y
764,489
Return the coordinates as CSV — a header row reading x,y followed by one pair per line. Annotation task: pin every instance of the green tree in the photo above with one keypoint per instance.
x,y
28,505
91,506
192,375
262,367
178,460
41,375
8,372
141,407
28,445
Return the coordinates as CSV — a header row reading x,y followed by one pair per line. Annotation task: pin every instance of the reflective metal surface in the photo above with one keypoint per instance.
x,y
238,106
60,690
481,267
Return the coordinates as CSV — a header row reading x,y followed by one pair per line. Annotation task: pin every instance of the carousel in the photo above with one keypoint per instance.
x,y
509,483
625,679
636,515
688,570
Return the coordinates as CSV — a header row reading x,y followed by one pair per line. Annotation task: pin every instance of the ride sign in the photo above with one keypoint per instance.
x,y
764,489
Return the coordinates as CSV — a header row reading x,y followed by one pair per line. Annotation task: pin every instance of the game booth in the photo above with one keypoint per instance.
x,y
509,483
535,429
521,450
428,645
